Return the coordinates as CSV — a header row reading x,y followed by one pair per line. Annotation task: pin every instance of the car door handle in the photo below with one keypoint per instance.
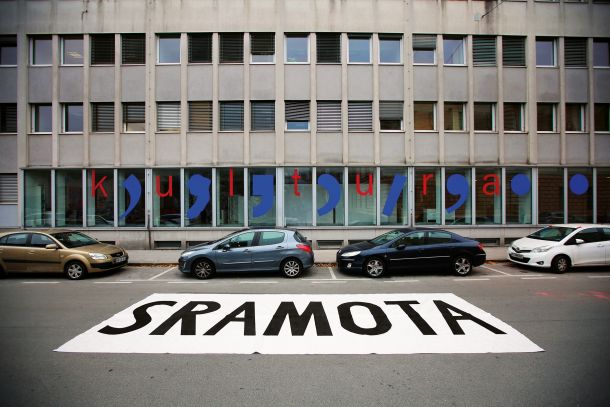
x,y
247,251
32,252
279,247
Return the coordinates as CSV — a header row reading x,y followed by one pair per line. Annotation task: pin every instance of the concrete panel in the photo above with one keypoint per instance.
x,y
329,148
486,148
8,153
133,83
40,150
328,82
549,149
392,147
577,85
40,85
133,149
359,82
297,148
577,148
425,84
167,85
70,149
602,85
231,82
547,84
426,148
9,17
8,85
515,84
457,148
515,148
101,84
231,148
70,83
485,84
391,83
456,83
296,82
262,82
602,149
101,149
427,13
167,149
9,216
361,148
199,148
200,80
262,147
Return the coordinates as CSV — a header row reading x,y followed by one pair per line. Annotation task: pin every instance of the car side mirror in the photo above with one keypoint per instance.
x,y
579,241
400,247
51,246
226,247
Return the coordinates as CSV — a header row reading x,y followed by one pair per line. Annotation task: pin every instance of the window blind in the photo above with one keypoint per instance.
x,y
8,188
329,116
297,110
200,47
484,50
134,49
231,47
200,116
102,117
8,118
360,116
424,42
328,48
390,110
262,43
575,51
133,113
262,116
231,116
513,51
102,49
168,116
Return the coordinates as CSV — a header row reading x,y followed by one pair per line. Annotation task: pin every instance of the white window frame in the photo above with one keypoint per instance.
x,y
400,56
522,123
583,116
494,127
286,50
124,123
159,37
434,116
464,117
31,58
554,65
555,127
463,51
34,116
61,51
370,61
64,110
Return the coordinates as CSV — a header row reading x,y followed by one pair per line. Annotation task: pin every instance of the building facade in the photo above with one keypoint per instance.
x,y
160,124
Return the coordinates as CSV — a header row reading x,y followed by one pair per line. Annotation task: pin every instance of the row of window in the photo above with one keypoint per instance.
x,y
297,116
318,196
297,49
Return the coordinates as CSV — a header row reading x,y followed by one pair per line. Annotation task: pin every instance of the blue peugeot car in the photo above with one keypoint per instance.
x,y
267,249
412,249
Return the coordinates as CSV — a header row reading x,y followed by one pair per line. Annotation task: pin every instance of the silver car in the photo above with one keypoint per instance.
x,y
268,249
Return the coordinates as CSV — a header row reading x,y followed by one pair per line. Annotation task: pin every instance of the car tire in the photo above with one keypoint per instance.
x,y
461,265
75,270
3,273
291,268
203,269
374,267
560,264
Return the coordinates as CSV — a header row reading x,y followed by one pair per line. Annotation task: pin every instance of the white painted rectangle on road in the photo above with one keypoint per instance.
x,y
301,324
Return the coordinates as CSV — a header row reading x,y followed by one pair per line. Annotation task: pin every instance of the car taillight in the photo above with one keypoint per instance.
x,y
480,246
304,247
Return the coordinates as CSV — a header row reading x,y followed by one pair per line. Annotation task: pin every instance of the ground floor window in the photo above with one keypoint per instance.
x,y
298,197
68,198
37,202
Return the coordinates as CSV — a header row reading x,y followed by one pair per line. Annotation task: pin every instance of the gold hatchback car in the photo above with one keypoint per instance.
x,y
73,253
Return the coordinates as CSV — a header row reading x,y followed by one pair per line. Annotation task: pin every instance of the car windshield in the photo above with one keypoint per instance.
x,y
552,233
74,239
386,237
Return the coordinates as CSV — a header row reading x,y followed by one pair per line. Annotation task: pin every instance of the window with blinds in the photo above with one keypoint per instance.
x,y
231,116
360,116
575,51
297,115
262,116
8,188
328,48
231,48
390,115
513,51
133,49
484,50
8,118
329,116
102,49
200,47
424,49
168,116
262,47
200,116
134,115
102,117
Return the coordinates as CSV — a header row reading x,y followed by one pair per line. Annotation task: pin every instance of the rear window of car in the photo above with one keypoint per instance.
x,y
268,238
299,237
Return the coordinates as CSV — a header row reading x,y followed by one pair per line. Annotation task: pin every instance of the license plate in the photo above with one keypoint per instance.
x,y
119,259
517,255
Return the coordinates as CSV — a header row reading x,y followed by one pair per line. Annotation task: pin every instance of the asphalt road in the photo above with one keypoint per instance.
x,y
567,315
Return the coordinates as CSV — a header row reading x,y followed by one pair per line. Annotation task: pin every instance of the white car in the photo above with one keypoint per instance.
x,y
560,247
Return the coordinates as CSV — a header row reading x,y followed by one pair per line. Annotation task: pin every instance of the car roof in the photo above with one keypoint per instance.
x,y
580,225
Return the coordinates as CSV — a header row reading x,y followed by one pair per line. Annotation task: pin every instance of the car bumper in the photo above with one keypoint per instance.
x,y
542,260
109,265
479,259
349,263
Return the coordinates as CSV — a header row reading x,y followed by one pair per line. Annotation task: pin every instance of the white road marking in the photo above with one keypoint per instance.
x,y
328,282
258,282
332,273
538,278
160,274
186,282
400,281
497,271
40,282
598,276
470,279
112,282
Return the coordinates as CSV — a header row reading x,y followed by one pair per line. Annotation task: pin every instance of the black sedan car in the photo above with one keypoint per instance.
x,y
412,249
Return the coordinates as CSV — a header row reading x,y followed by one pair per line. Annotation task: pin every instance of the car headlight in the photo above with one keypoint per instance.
x,y
542,249
97,256
350,254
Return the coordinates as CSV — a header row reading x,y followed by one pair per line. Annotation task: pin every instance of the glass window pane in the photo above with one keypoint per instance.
x,y
73,118
198,190
100,198
574,117
166,198
580,195
43,118
602,117
297,49
331,215
550,195
424,115
428,196
545,52
457,196
131,200
423,56
134,117
362,201
298,196
454,51
8,50
68,198
546,117
601,53
258,200
603,195
269,238
484,117
169,49
41,51
72,48
359,49
513,120
38,199
489,196
230,197
389,50
454,116
519,195
393,181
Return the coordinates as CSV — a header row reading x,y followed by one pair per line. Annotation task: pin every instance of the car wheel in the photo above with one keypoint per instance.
x,y
203,269
75,270
560,264
461,265
374,267
291,268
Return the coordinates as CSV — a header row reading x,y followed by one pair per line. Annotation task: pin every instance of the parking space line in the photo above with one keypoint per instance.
x,y
497,271
160,274
40,282
329,282
598,276
401,281
470,279
258,282
538,278
332,273
112,282
186,282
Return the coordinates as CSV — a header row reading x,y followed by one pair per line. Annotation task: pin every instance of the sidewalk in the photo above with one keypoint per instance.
x,y
322,256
